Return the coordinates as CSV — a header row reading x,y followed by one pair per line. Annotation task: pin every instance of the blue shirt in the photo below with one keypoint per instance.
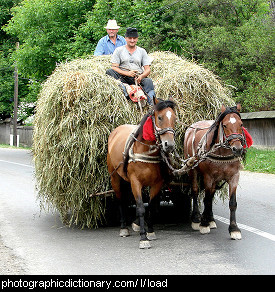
x,y
106,47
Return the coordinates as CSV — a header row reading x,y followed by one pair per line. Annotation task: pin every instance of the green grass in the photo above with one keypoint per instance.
x,y
260,160
13,147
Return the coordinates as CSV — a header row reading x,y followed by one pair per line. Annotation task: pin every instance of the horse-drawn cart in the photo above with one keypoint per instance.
x,y
79,106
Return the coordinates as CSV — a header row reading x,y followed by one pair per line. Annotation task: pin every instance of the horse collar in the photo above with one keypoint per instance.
x,y
141,157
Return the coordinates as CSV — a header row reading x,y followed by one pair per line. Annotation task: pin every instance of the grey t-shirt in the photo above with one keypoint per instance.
x,y
128,61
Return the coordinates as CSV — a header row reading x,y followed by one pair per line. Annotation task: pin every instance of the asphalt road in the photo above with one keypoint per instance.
x,y
36,242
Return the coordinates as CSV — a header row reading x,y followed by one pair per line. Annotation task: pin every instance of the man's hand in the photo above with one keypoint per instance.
x,y
139,78
145,73
132,73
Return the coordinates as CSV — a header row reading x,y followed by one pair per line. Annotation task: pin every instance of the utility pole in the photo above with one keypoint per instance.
x,y
15,102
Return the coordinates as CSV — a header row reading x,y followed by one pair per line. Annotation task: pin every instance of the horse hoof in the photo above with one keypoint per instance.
x,y
212,225
135,227
236,235
143,244
151,235
204,229
124,232
195,226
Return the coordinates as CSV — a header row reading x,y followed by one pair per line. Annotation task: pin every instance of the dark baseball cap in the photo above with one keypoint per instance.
x,y
131,32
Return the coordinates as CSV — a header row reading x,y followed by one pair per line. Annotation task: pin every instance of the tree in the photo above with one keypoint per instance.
x,y
233,38
240,50
46,32
7,45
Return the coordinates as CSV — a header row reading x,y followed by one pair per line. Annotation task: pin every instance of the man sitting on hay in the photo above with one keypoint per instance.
x,y
131,65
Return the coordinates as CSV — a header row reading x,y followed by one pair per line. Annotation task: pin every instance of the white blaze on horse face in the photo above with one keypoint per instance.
x,y
168,115
232,120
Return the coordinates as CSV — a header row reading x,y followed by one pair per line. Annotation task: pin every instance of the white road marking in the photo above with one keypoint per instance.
x,y
247,228
21,164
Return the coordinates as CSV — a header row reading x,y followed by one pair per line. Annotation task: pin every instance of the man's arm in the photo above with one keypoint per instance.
x,y
145,73
99,50
131,73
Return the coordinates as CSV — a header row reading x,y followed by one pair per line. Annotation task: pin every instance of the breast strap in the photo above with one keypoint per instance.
x,y
141,157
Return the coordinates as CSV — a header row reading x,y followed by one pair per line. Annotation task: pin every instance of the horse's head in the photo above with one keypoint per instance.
x,y
164,123
232,128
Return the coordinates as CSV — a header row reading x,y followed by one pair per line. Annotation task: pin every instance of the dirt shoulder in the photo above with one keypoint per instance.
x,y
10,264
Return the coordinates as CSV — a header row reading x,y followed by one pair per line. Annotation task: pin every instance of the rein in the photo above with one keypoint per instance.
x,y
158,131
145,156
224,142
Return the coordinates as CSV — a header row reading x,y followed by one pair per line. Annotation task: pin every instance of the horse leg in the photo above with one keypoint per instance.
x,y
196,216
144,241
140,212
116,182
136,225
153,204
235,232
207,220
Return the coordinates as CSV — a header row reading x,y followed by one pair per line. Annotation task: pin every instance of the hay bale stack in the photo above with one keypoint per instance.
x,y
77,109
197,91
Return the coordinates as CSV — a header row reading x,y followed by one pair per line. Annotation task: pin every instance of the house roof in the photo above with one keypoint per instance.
x,y
258,115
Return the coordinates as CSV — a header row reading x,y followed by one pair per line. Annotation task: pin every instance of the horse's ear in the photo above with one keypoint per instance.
x,y
239,107
155,100
223,108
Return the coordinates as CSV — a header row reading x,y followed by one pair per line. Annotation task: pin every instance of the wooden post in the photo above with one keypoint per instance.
x,y
15,102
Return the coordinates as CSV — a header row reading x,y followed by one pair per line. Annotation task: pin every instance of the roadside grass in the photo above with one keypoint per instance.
x,y
257,160
13,147
260,160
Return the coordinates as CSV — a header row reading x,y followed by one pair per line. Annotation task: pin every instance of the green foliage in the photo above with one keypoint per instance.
x,y
233,38
121,10
6,64
244,57
260,160
6,86
46,30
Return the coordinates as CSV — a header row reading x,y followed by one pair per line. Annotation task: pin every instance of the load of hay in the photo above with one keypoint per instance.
x,y
77,109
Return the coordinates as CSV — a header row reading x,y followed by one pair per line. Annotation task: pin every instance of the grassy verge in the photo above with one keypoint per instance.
x,y
260,160
13,147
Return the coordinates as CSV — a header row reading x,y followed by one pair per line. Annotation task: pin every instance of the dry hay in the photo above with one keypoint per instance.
x,y
79,106
197,91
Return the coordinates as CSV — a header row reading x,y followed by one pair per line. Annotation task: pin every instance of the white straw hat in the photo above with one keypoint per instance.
x,y
112,24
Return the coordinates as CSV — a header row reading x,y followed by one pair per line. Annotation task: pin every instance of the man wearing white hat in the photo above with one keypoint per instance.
x,y
111,41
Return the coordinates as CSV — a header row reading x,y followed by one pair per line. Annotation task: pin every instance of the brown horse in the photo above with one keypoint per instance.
x,y
220,143
134,155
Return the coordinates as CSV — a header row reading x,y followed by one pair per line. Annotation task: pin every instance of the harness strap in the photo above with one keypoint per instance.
x,y
201,152
141,157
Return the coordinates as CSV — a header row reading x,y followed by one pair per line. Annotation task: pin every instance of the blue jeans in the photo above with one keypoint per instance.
x,y
146,83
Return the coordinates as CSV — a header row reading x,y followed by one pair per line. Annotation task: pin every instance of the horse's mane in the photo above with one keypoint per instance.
x,y
162,104
215,126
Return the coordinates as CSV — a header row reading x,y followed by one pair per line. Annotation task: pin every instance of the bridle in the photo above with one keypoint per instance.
x,y
153,149
226,139
224,142
160,131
